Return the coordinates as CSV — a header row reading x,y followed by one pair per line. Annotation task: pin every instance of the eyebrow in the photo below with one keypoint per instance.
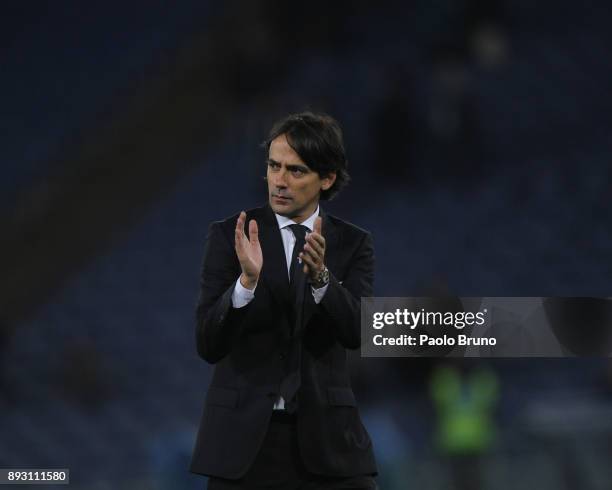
x,y
291,166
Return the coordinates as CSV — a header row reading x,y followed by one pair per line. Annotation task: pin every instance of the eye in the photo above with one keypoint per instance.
x,y
273,165
298,172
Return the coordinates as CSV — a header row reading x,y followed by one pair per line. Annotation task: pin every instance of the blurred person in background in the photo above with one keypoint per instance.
x,y
465,401
279,306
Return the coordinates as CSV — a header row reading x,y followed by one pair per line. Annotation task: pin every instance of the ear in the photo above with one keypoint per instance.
x,y
328,181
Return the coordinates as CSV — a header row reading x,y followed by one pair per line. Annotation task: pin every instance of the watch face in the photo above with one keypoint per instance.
x,y
324,276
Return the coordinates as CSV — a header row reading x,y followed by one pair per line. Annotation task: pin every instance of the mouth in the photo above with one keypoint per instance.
x,y
280,199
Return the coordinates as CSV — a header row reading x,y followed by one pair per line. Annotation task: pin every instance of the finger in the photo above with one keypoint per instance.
x,y
306,263
316,245
317,237
310,250
239,236
240,223
318,224
309,261
253,232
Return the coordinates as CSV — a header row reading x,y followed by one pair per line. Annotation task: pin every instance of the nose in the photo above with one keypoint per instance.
x,y
279,179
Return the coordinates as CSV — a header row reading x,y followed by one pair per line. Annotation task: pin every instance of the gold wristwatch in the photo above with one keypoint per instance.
x,y
321,280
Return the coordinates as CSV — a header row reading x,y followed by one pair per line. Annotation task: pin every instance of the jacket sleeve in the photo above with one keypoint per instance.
x,y
218,324
342,302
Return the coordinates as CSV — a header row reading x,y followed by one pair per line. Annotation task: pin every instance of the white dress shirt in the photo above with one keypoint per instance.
x,y
243,296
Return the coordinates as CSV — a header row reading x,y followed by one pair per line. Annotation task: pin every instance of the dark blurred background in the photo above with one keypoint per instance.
x,y
478,134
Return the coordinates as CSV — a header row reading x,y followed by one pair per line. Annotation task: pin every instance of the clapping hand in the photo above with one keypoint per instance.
x,y
248,251
313,256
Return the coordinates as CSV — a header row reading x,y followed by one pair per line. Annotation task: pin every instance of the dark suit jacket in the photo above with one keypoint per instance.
x,y
249,344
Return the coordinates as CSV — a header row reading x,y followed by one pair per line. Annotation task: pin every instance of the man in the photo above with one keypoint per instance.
x,y
279,306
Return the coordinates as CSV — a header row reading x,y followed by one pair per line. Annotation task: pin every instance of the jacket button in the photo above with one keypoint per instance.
x,y
282,355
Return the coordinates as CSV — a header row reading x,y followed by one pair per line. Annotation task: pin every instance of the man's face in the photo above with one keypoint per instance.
x,y
293,188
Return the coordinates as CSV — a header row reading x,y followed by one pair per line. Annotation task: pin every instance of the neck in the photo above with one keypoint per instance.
x,y
302,215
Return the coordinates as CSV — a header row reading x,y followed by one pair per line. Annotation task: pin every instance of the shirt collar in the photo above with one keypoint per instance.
x,y
283,221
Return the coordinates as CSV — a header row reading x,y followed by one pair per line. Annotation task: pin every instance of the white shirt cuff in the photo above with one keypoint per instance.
x,y
242,296
319,293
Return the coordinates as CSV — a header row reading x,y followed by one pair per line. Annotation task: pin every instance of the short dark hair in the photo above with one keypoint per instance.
x,y
317,139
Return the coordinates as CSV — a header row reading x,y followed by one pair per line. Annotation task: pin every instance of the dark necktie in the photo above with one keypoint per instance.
x,y
297,279
297,283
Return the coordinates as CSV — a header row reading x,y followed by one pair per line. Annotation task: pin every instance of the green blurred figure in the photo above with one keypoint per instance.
x,y
465,427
